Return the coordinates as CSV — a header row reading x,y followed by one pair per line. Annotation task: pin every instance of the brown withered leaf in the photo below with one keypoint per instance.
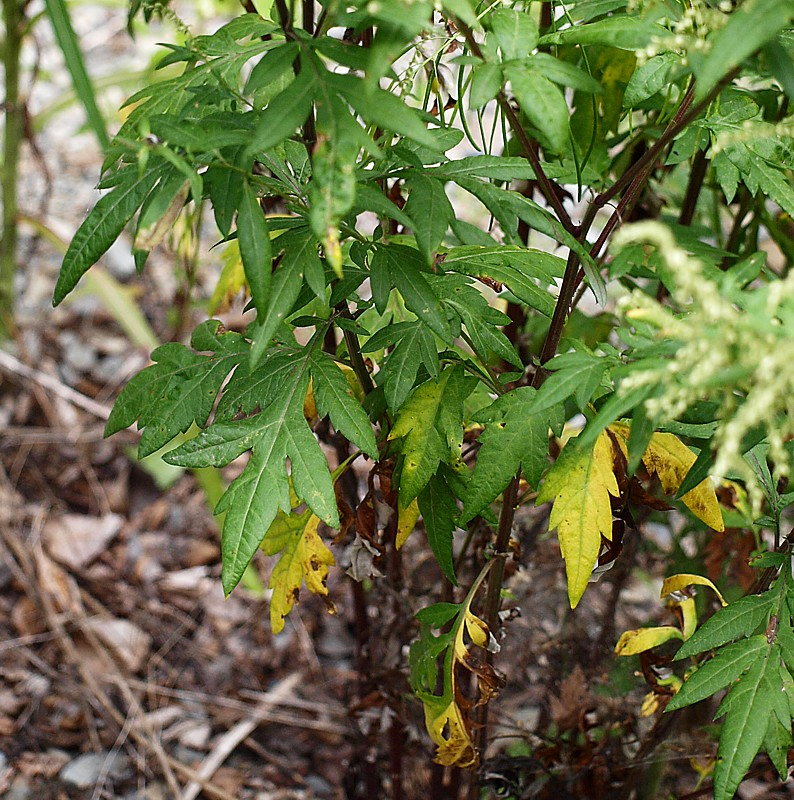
x,y
574,699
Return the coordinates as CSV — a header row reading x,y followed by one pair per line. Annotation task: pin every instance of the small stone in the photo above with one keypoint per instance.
x,y
84,771
319,786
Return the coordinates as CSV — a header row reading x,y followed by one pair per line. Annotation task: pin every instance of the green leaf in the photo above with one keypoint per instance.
x,y
402,267
649,78
300,257
542,102
564,73
498,168
58,13
225,185
751,703
574,374
439,511
160,210
179,389
516,32
431,426
279,432
617,405
464,11
251,388
698,472
625,33
486,83
642,429
781,65
756,170
750,26
430,212
740,618
777,742
414,346
389,112
483,323
371,199
104,225
716,674
516,267
513,439
284,114
255,248
437,615
334,397
272,66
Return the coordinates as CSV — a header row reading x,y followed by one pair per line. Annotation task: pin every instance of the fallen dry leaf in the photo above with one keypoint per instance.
x,y
77,539
127,641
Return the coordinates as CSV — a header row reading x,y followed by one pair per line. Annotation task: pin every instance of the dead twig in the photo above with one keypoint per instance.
x,y
228,743
13,366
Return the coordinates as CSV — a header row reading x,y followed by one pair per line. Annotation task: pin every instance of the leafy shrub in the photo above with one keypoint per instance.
x,y
328,140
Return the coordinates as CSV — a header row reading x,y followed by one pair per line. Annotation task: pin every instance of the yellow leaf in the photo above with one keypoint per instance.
x,y
406,521
309,406
447,716
642,639
689,617
477,629
447,728
675,583
669,458
580,482
650,704
304,556
231,281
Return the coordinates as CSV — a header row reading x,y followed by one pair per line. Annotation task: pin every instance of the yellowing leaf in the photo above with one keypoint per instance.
x,y
669,458
309,405
642,639
689,617
447,715
304,556
650,704
406,521
477,629
675,583
231,281
447,728
581,482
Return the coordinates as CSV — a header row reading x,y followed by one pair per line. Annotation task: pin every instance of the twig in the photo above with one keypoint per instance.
x,y
279,718
227,743
13,366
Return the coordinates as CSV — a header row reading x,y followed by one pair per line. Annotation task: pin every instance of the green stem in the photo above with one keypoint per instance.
x,y
13,19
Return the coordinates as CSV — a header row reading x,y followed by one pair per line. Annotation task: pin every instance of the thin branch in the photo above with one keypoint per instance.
x,y
229,741
694,186
530,148
682,119
648,159
354,351
13,366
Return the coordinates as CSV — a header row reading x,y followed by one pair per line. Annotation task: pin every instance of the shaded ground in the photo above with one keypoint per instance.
x,y
125,674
